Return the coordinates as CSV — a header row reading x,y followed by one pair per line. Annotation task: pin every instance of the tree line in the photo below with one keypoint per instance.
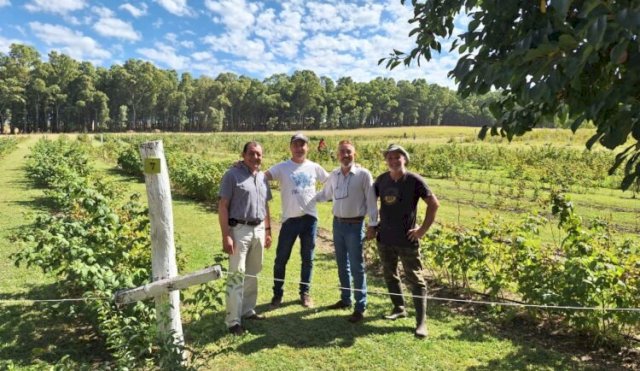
x,y
63,94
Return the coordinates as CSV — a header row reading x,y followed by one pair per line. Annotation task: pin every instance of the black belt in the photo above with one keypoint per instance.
x,y
354,220
233,222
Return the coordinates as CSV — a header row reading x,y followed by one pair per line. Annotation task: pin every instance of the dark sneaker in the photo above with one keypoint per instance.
x,y
339,305
398,312
255,317
355,317
236,330
276,301
305,300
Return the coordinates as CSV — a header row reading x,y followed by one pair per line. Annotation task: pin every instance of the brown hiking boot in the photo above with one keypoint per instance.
x,y
305,300
276,301
355,317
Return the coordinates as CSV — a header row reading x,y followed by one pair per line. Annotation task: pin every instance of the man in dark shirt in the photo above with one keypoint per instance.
x,y
398,235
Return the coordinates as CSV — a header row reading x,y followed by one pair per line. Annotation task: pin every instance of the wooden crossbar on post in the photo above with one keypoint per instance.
x,y
163,286
163,251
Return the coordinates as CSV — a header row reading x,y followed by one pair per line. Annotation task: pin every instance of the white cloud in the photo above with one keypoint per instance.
x,y
165,55
236,15
176,7
73,43
57,7
282,34
239,45
110,26
4,3
134,11
6,43
201,56
342,16
102,11
114,27
158,23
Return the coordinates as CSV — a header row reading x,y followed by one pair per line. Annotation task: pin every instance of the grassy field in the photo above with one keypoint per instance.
x,y
293,337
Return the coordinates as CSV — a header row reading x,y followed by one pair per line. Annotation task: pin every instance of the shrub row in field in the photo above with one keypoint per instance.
x,y
587,269
7,145
190,174
556,166
95,242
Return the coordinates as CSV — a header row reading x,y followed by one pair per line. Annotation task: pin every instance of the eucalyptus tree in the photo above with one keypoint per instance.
x,y
307,99
64,70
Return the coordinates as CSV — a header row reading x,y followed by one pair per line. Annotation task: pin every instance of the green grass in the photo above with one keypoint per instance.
x,y
292,336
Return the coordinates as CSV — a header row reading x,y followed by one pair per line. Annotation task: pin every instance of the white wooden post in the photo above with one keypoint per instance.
x,y
163,258
166,285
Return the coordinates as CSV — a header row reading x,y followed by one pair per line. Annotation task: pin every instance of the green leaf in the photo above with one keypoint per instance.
x,y
619,54
561,7
567,42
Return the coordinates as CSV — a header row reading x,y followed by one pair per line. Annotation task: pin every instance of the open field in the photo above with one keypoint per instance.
x,y
461,337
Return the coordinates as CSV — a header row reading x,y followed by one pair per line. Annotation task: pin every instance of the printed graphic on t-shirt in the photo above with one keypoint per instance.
x,y
391,196
302,180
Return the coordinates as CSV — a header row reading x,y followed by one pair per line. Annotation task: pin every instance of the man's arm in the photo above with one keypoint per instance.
x,y
223,219
326,193
268,175
267,229
372,206
430,216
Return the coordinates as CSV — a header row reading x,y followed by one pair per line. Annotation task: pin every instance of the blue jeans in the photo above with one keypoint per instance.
x,y
304,227
348,239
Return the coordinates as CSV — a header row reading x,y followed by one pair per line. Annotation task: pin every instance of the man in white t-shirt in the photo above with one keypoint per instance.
x,y
297,177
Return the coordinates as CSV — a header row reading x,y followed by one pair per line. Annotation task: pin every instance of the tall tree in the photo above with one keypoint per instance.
x,y
575,58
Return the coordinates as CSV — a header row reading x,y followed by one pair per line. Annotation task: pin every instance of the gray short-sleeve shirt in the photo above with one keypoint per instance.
x,y
247,193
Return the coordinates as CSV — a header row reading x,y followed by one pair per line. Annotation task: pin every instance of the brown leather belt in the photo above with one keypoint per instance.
x,y
355,220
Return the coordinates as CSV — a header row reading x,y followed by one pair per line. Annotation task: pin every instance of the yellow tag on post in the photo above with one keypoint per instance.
x,y
152,165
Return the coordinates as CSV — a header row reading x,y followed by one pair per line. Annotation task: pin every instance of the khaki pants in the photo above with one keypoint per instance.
x,y
242,291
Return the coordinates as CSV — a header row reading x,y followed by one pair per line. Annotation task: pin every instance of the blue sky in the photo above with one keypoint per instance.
x,y
253,38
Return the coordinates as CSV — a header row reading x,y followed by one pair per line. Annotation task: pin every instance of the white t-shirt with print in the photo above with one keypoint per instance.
x,y
298,186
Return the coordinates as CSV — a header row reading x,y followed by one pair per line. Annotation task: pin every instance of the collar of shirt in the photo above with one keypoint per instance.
x,y
354,168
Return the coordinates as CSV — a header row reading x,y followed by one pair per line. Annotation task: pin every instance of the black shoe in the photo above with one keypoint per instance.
x,y
276,301
398,312
236,330
255,317
339,305
355,317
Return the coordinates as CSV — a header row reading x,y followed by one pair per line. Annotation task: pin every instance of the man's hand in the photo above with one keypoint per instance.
x,y
416,234
371,233
227,244
267,240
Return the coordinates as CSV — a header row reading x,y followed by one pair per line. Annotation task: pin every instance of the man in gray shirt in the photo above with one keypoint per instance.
x,y
245,223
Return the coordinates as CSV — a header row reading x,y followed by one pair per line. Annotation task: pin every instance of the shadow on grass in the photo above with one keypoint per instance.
x,y
44,332
296,330
117,172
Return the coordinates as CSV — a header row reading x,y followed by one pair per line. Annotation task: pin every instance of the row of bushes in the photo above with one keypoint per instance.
x,y
7,144
556,166
588,268
95,241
